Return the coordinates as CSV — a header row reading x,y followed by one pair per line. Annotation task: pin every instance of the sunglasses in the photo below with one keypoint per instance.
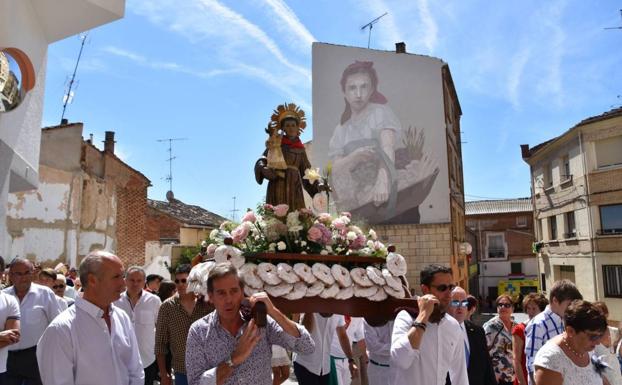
x,y
505,305
58,287
443,288
183,280
456,303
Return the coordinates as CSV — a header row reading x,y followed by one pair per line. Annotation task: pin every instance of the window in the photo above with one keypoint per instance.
x,y
548,176
571,228
543,281
608,151
553,227
612,280
611,219
566,165
521,221
495,246
516,268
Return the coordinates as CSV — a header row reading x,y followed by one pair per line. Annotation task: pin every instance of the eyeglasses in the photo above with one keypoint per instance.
x,y
183,280
595,337
443,288
58,287
505,305
456,303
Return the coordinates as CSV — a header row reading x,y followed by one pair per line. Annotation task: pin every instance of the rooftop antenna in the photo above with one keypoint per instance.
x,y
620,27
68,95
370,25
169,177
234,211
616,105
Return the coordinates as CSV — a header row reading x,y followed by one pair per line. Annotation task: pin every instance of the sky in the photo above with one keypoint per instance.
x,y
211,72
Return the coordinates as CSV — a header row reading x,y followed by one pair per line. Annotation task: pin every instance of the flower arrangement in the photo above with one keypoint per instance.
x,y
279,229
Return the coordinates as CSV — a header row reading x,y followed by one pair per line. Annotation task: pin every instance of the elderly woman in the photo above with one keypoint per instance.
x,y
59,287
499,339
533,304
606,349
568,359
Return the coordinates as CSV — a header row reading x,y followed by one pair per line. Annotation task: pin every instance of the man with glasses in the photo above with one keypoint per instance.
x,y
427,346
174,320
479,367
38,307
142,307
548,324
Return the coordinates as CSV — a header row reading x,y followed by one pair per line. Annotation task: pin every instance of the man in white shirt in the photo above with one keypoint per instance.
x,y
93,342
426,346
314,368
378,342
355,334
142,307
38,306
9,324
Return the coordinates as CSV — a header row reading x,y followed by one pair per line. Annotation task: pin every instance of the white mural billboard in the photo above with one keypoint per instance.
x,y
379,124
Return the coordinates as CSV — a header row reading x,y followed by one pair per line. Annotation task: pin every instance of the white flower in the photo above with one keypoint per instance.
x,y
351,235
329,248
323,252
213,234
272,247
303,252
303,243
312,175
370,244
372,234
293,224
281,246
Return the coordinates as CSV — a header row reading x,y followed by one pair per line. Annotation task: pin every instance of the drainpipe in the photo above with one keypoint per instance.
x,y
589,214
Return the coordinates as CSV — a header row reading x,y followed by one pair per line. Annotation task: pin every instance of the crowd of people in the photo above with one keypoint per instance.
x,y
105,324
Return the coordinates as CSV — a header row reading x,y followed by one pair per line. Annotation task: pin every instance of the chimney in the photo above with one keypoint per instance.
x,y
64,122
524,149
109,142
400,47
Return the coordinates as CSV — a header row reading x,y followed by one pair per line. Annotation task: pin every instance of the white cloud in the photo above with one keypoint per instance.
x,y
515,75
430,29
290,26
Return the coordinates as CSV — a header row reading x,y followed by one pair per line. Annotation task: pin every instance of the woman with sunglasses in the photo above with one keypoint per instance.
x,y
533,304
499,339
568,358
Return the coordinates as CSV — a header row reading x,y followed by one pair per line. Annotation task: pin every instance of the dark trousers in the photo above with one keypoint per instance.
x,y
22,368
151,373
305,377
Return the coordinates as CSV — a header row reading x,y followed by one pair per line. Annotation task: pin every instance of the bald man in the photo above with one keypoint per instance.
x,y
93,342
479,367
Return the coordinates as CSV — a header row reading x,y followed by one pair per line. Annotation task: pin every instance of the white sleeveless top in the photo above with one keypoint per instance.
x,y
552,357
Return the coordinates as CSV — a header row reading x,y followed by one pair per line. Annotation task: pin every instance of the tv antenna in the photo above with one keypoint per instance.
x,y
169,177
234,211
620,27
68,95
616,105
370,25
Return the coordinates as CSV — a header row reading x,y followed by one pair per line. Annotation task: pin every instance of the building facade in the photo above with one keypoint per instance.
x,y
503,234
27,30
576,183
86,199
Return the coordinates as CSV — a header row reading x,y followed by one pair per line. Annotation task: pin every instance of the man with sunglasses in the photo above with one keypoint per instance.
x,y
428,345
174,320
479,367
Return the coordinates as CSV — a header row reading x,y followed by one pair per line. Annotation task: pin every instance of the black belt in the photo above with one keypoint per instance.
x,y
379,364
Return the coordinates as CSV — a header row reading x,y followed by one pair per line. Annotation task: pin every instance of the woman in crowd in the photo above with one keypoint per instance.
x,y
499,339
567,358
471,307
167,290
533,304
606,348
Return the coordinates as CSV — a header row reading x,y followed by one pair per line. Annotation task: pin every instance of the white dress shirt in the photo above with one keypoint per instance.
x,y
37,309
9,309
355,333
77,348
323,331
144,316
378,342
441,351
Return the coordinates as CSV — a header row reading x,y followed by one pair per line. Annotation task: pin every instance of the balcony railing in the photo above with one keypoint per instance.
x,y
609,232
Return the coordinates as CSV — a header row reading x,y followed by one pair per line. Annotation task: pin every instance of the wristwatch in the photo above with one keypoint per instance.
x,y
229,362
350,360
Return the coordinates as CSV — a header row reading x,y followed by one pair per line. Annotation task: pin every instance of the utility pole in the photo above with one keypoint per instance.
x,y
68,96
619,27
169,177
234,211
370,25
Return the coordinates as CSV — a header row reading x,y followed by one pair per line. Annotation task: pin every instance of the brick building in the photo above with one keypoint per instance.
x,y
87,199
576,181
503,238
174,221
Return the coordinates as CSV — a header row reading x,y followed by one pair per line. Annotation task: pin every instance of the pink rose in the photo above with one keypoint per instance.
x,y
325,218
339,224
240,233
211,249
249,217
281,210
346,214
314,234
268,207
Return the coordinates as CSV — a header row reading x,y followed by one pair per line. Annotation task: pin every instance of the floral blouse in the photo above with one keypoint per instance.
x,y
499,341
